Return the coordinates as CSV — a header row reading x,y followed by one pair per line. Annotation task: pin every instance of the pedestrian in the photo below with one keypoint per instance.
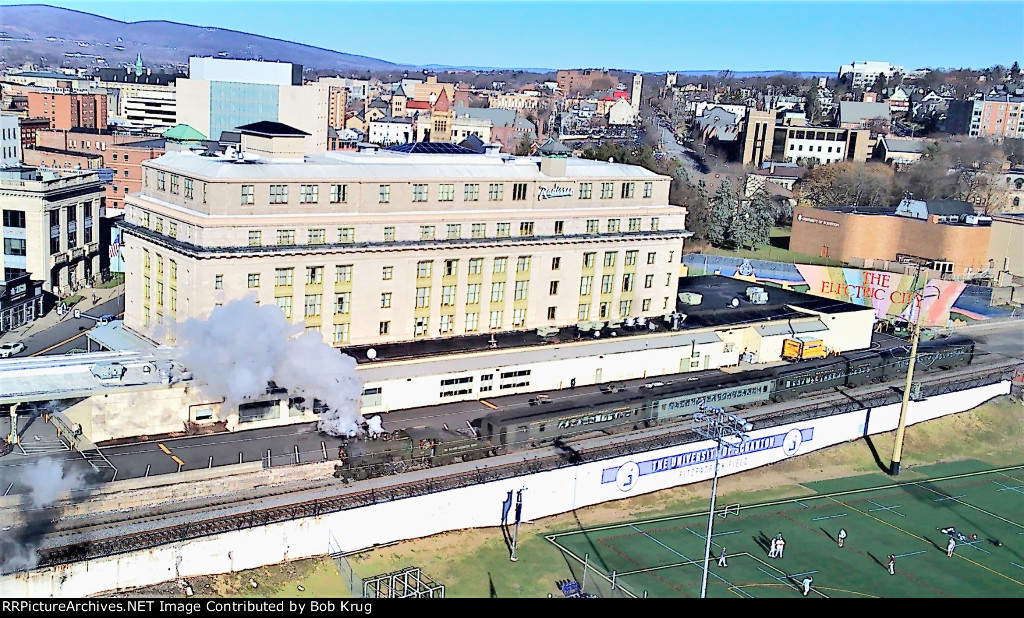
x,y
774,551
779,545
950,547
842,536
892,564
807,584
721,558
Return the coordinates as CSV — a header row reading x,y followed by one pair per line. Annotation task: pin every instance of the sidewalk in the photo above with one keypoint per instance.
x,y
53,317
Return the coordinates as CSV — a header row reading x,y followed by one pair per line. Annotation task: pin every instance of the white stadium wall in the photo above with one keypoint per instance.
x,y
475,506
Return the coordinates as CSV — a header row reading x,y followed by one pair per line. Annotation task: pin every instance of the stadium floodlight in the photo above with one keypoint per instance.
x,y
717,426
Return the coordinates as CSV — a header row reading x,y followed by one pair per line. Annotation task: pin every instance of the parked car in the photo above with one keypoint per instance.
x,y
11,348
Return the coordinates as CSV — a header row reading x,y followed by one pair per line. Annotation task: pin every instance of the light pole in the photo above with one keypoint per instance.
x,y
519,517
714,424
915,336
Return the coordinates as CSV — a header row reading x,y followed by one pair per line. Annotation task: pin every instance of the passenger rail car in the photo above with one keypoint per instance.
x,y
618,409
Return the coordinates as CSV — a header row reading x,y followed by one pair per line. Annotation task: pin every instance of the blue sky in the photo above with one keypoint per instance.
x,y
645,36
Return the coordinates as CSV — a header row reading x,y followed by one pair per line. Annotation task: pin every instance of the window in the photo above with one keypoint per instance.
x,y
448,296
14,246
471,193
504,230
613,225
218,282
385,194
446,193
559,227
254,280
451,268
473,294
313,304
285,304
631,257
593,226
610,257
624,307
476,266
248,195
426,232
446,327
339,193
647,304
526,228
627,282
498,291
627,190
389,233
607,190
651,256
556,263
479,230
172,230
14,218
588,259
496,191
419,192
316,236
519,191
343,273
648,189
605,310
454,231
341,333
518,317
523,264
385,327
551,313
159,225
314,275
586,190
343,302
472,322
309,194
278,194
522,289
499,265
606,284
286,237
188,186
648,281
424,269
586,285
283,276
174,183
634,224
584,311
346,235
495,321
387,272
422,297
161,182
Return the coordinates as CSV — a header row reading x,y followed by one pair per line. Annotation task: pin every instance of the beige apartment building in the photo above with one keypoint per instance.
x,y
385,246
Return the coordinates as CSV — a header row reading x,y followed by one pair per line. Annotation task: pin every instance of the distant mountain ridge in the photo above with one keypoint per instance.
x,y
45,34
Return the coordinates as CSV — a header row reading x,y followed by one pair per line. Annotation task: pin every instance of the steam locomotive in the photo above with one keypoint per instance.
x,y
618,409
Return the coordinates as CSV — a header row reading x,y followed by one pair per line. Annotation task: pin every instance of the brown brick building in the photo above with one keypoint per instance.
x,y
67,110
843,234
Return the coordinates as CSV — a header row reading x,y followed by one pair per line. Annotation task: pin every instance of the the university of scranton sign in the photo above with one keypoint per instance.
x,y
544,193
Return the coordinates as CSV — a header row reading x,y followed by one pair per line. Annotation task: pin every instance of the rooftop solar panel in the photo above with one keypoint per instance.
x,y
431,148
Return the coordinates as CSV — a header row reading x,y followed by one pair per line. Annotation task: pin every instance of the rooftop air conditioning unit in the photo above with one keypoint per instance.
x,y
690,298
757,295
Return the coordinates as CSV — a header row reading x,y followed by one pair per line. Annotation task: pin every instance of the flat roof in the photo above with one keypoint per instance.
x,y
114,336
391,165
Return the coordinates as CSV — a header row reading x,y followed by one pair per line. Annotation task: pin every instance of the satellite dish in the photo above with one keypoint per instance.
x,y
371,354
734,303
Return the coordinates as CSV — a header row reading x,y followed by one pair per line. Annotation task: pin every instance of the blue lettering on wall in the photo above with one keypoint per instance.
x,y
705,455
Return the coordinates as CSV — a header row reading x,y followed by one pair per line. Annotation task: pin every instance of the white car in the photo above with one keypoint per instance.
x,y
11,348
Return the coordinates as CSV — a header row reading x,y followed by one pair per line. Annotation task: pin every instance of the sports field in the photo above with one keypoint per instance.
x,y
882,516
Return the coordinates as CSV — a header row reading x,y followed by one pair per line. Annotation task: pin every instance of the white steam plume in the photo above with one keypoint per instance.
x,y
242,346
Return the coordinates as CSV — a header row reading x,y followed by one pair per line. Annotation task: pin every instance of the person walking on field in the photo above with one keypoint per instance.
x,y
774,551
950,547
779,545
892,564
807,584
842,536
721,558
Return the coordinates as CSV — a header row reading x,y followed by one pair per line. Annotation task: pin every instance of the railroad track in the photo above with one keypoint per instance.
x,y
122,536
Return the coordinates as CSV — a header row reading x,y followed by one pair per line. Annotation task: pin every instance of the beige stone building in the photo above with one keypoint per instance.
x,y
384,246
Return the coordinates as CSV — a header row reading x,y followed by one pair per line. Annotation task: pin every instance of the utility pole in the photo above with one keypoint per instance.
x,y
519,517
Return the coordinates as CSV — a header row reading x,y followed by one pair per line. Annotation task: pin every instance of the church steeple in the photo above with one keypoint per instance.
x,y
138,65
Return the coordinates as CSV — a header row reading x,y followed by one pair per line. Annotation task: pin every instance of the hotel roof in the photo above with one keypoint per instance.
x,y
391,165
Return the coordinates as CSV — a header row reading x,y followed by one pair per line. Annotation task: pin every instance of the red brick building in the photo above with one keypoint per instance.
x,y
68,110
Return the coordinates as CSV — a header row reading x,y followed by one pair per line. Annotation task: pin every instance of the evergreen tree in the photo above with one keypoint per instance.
x,y
723,207
758,217
812,105
881,83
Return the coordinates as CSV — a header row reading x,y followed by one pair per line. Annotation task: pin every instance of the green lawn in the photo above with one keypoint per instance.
x,y
664,557
777,250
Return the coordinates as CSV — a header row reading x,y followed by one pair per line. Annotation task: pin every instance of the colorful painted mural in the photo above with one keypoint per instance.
x,y
892,295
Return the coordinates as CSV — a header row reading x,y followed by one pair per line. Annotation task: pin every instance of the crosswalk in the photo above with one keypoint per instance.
x,y
43,446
